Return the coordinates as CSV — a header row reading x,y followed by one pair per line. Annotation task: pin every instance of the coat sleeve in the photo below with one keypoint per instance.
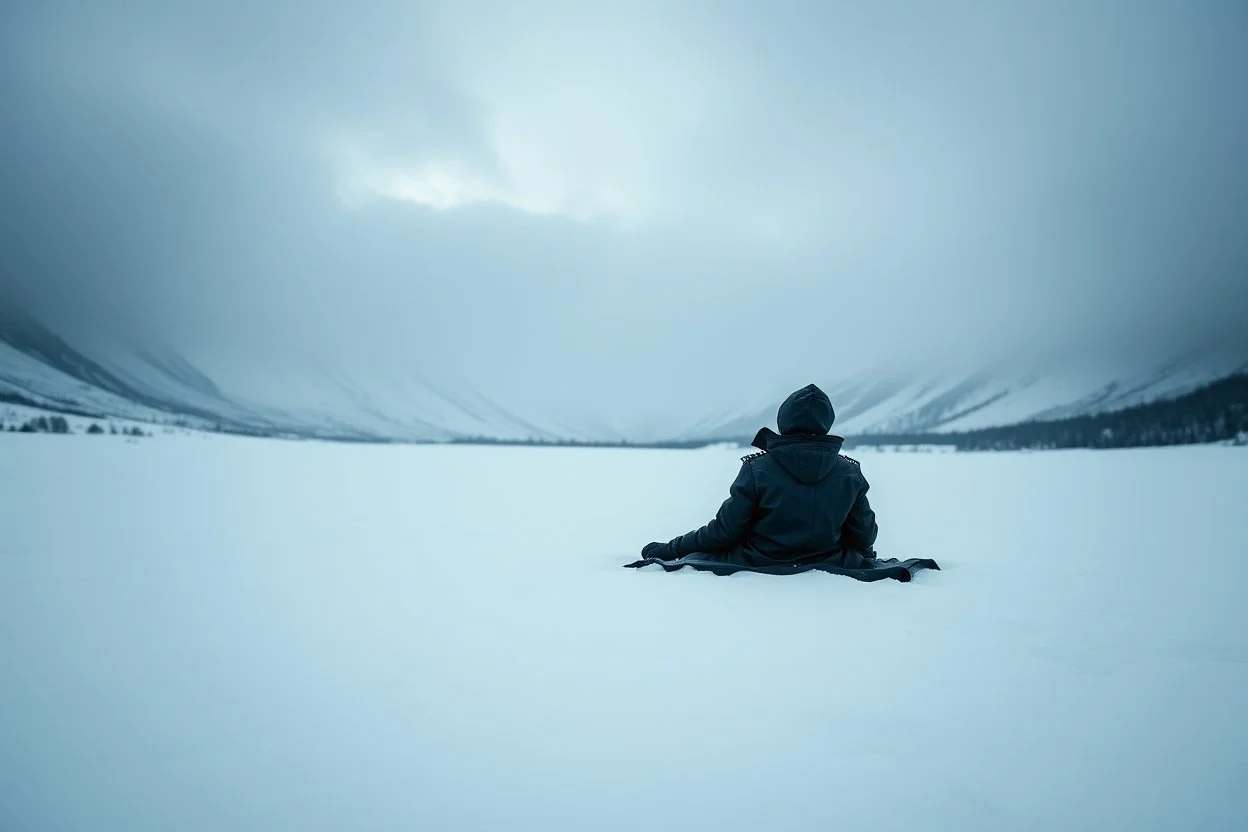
x,y
860,530
731,524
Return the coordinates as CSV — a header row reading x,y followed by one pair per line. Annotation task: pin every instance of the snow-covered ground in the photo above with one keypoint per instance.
x,y
211,633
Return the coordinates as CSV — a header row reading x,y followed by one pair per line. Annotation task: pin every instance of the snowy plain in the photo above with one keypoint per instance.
x,y
212,633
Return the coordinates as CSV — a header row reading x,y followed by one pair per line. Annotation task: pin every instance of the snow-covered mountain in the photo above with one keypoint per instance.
x,y
100,378
924,403
71,373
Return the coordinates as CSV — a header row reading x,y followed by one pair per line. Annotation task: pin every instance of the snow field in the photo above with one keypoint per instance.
x,y
220,633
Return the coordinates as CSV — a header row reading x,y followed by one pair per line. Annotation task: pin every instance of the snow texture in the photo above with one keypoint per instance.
x,y
216,633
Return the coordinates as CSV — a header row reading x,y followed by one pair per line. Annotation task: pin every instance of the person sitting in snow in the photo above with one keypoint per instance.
x,y
797,501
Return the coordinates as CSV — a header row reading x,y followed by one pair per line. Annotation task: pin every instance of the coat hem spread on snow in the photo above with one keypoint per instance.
x,y
877,570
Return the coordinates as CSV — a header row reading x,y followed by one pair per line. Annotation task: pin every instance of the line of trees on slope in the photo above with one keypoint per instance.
x,y
42,424
1216,412
59,424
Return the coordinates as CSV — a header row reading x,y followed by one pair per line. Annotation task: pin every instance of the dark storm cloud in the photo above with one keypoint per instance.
x,y
636,210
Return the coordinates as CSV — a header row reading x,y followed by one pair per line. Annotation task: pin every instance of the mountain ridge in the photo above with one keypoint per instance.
x,y
45,369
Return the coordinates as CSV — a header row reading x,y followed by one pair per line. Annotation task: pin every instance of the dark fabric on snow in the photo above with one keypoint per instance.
x,y
851,564
798,501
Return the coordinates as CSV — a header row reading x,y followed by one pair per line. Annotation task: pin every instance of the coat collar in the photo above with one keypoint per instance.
x,y
766,439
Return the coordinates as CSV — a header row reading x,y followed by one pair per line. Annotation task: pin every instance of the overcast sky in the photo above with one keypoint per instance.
x,y
641,206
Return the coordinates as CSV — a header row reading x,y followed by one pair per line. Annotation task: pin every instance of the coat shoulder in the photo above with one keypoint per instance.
x,y
750,457
852,468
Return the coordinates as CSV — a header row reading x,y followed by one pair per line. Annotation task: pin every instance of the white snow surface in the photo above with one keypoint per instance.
x,y
212,633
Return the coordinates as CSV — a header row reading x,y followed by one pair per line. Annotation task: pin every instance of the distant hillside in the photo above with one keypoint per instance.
x,y
106,378
1215,412
72,373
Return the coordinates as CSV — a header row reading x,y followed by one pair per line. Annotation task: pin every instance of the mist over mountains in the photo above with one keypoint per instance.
x,y
434,220
40,368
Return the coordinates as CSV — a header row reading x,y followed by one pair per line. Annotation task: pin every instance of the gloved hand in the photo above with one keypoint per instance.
x,y
659,551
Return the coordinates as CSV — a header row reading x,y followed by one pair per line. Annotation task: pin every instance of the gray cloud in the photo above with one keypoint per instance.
x,y
633,211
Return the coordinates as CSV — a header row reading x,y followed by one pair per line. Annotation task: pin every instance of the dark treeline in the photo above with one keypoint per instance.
x,y
60,425
43,424
1214,413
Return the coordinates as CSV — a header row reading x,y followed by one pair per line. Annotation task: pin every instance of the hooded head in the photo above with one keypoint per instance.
x,y
808,411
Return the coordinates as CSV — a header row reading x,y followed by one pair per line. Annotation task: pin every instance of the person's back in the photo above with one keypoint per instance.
x,y
797,500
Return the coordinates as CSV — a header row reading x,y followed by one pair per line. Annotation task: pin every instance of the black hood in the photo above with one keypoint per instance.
x,y
807,411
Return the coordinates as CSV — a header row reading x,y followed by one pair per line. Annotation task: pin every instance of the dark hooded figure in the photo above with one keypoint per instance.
x,y
797,501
